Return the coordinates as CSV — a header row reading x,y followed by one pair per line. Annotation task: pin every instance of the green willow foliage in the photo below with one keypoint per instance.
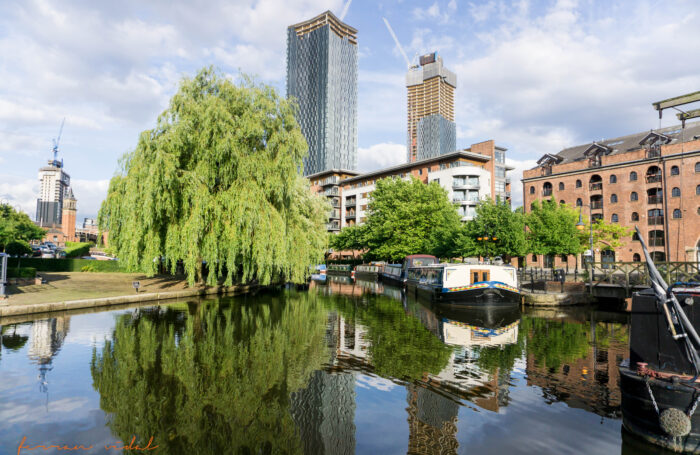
x,y
553,343
217,381
218,180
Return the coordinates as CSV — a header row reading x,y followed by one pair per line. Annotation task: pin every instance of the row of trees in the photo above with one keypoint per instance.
x,y
409,217
16,231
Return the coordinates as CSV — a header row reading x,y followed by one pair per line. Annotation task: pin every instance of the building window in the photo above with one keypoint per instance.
x,y
675,170
635,236
636,257
697,166
613,178
579,203
420,171
532,190
547,189
561,186
613,198
500,172
613,218
633,176
656,238
635,216
578,184
562,202
634,196
676,192
697,190
500,156
534,258
677,214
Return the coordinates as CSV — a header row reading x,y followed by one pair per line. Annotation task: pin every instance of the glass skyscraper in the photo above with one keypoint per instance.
x,y
322,76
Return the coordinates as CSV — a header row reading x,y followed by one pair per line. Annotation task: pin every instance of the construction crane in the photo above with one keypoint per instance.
x,y
345,10
57,141
398,44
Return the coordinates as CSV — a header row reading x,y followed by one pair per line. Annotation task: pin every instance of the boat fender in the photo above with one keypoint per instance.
x,y
674,422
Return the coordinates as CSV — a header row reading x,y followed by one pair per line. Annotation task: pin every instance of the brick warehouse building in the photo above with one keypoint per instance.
x,y
649,179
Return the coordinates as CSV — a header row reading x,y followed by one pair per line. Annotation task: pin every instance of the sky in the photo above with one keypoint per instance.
x,y
535,76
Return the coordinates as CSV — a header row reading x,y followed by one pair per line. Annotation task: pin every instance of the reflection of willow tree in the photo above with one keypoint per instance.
x,y
553,343
218,384
605,333
400,346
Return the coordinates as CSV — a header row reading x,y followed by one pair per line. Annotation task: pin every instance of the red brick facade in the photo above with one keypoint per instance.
x,y
664,197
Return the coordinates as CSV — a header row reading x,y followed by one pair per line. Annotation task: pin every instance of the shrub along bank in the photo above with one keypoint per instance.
x,y
77,249
22,272
67,265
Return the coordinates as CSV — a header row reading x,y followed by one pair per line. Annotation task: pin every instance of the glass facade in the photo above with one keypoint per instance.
x,y
436,136
322,76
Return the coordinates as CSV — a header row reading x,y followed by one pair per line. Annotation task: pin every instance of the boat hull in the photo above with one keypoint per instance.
x,y
640,418
473,297
368,276
393,280
339,272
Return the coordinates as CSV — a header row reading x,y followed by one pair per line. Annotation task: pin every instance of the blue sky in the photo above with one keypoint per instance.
x,y
535,76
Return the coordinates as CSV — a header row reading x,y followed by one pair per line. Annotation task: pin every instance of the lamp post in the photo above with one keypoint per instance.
x,y
581,226
487,238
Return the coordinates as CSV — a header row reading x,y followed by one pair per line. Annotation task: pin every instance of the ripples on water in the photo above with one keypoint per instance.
x,y
342,368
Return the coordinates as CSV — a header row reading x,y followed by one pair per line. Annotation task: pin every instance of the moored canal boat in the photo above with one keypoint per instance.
x,y
369,271
395,274
660,382
339,269
470,285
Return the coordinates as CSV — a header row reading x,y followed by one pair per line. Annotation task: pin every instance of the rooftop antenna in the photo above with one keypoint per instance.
x,y
398,44
58,140
345,10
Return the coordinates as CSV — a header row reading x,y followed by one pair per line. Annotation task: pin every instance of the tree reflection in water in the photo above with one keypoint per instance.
x,y
218,381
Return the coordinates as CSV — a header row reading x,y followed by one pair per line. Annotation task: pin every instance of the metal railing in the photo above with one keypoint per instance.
x,y
635,275
654,178
655,199
655,220
595,186
596,205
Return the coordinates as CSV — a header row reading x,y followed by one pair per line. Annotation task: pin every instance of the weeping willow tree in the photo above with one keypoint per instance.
x,y
217,381
218,182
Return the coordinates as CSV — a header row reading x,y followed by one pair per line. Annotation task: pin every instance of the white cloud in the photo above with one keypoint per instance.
x,y
516,186
89,195
19,192
379,156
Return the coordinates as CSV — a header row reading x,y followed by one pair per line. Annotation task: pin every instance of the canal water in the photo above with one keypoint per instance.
x,y
345,367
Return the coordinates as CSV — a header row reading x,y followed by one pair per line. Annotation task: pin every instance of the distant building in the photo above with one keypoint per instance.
x,y
327,183
431,127
322,76
649,179
54,183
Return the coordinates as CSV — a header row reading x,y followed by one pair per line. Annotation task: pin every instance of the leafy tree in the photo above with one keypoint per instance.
x,y
18,248
215,381
552,229
218,181
408,217
609,236
495,219
349,238
553,342
16,226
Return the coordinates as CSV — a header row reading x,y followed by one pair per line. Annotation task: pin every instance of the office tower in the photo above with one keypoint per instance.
x,y
322,76
54,187
431,128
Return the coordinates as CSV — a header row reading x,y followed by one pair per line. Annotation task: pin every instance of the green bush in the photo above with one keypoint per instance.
x,y
18,248
76,249
22,272
67,265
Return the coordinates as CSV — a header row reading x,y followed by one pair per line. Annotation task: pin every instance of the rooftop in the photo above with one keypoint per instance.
x,y
331,172
326,18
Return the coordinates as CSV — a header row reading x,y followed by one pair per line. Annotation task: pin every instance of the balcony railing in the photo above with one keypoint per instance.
x,y
333,180
350,203
547,192
596,186
335,203
656,220
332,192
334,214
595,205
349,214
655,178
333,226
655,199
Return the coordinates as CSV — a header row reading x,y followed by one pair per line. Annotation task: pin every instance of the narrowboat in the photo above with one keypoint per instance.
x,y
369,271
339,269
660,382
396,274
319,273
470,285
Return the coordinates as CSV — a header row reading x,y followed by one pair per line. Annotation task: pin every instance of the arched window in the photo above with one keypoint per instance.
x,y
547,189
613,178
697,190
675,170
532,190
613,218
636,257
579,203
634,196
676,192
613,198
677,213
562,202
635,236
578,184
633,176
534,258
635,216
561,186
656,238
697,166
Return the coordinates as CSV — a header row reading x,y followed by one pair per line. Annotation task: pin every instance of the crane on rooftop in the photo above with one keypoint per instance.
x,y
57,140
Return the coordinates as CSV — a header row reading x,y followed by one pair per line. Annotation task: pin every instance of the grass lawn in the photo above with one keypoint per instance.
x,y
63,286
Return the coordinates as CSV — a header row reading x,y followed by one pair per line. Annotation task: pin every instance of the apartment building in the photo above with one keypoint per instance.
x,y
328,184
649,179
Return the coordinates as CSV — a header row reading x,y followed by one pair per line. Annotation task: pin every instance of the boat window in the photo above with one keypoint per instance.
x,y
485,276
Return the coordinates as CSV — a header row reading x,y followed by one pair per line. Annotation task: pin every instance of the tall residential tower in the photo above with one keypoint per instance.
x,y
54,187
322,76
431,127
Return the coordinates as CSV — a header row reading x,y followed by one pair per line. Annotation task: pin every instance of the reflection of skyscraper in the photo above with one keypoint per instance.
x,y
432,422
47,339
322,76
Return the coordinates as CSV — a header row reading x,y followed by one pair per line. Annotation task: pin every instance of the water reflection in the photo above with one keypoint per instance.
x,y
293,372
